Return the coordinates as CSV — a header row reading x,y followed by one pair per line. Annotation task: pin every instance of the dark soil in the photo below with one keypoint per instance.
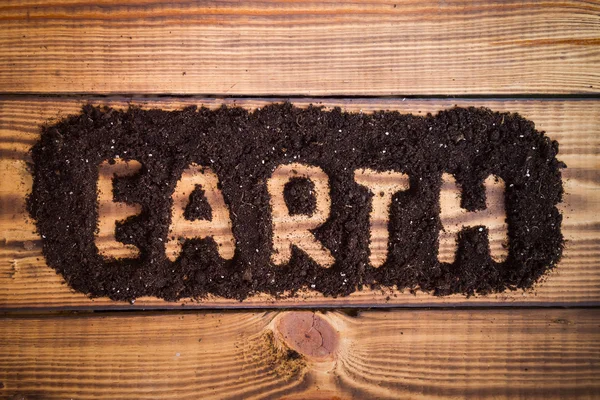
x,y
198,207
469,143
299,196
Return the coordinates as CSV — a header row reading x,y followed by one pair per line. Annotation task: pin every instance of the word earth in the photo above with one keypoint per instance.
x,y
290,229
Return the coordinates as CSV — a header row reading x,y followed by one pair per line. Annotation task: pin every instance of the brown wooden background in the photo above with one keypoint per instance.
x,y
540,59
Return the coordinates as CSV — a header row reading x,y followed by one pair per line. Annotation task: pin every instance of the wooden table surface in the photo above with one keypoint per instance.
x,y
540,59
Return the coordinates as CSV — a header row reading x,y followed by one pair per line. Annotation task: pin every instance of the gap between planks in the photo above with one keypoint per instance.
x,y
124,96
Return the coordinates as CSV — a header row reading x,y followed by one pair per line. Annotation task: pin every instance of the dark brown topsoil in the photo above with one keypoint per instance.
x,y
299,197
469,143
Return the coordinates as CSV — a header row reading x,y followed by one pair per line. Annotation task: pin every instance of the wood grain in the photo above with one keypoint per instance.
x,y
380,47
26,282
500,354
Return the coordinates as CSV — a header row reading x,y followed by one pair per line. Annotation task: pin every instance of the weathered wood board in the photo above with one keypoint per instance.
x,y
26,282
299,47
499,354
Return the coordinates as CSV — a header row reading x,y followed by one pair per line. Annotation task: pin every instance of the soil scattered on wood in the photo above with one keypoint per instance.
x,y
244,147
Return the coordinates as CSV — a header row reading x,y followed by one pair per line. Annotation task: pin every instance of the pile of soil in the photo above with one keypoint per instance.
x,y
244,147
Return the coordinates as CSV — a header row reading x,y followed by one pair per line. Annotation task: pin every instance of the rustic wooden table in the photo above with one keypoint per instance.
x,y
540,59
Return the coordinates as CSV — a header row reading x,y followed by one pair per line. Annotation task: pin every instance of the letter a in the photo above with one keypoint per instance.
x,y
219,227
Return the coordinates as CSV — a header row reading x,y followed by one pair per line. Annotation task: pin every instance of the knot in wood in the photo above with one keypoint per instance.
x,y
308,333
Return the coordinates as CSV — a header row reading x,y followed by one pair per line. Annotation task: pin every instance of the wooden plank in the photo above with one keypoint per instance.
x,y
533,354
26,282
381,47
